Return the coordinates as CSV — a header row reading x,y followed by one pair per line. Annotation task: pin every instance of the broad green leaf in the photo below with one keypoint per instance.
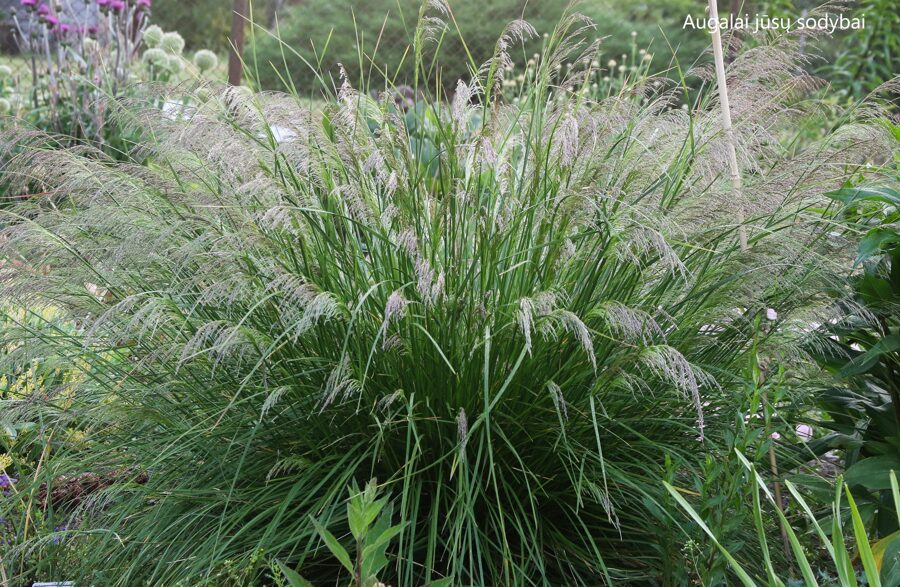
x,y
293,577
356,520
890,563
333,545
373,557
862,363
881,547
879,194
873,473
874,242
895,491
382,540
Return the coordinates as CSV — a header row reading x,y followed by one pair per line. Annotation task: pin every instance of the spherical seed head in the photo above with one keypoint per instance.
x,y
205,60
153,36
155,57
5,106
5,72
172,43
175,64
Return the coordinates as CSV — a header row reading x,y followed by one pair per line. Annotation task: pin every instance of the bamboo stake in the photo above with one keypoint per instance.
x,y
726,120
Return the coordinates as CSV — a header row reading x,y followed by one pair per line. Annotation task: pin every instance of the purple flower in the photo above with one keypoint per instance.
x,y
59,530
29,4
43,10
144,3
51,20
117,5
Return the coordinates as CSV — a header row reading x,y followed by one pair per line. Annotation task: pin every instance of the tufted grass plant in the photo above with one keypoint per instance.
x,y
508,315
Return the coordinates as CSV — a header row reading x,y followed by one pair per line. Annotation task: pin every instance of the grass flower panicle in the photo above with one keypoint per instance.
x,y
507,312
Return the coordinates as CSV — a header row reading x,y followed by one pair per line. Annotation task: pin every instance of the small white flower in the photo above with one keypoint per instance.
x,y
775,436
771,314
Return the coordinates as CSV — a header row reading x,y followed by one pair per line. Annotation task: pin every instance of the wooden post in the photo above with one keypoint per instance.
x,y
735,171
238,23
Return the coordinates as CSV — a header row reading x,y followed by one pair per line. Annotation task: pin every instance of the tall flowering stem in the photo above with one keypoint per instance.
x,y
68,45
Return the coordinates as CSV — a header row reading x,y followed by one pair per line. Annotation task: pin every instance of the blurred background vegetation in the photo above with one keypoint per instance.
x,y
855,62
308,27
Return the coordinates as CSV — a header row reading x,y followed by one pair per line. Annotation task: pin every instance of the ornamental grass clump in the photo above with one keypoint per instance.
x,y
508,315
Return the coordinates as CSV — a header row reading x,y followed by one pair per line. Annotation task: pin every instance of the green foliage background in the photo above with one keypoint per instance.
x,y
203,23
307,27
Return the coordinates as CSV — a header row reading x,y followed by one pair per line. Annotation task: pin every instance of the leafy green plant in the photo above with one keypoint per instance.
x,y
518,330
863,407
840,555
863,62
370,527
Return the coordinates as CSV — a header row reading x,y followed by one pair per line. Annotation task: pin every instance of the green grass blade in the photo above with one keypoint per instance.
x,y
736,567
862,543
